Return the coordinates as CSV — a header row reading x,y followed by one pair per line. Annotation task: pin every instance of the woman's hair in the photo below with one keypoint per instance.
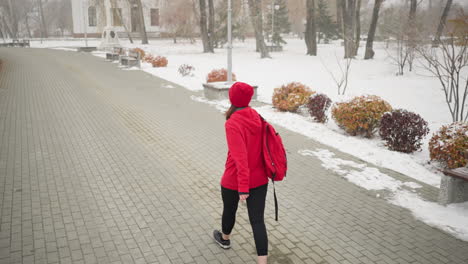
x,y
230,111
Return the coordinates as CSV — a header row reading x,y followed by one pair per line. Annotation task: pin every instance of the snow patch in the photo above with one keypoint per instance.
x,y
222,105
168,86
357,173
452,219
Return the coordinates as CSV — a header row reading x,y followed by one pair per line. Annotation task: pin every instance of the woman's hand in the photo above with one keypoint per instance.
x,y
243,197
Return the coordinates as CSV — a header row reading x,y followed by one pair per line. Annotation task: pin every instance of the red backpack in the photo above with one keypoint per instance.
x,y
274,156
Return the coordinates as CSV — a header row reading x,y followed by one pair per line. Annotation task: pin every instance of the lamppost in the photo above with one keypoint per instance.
x,y
229,45
84,22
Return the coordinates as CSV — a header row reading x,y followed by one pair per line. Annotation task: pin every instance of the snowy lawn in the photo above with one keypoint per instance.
x,y
415,91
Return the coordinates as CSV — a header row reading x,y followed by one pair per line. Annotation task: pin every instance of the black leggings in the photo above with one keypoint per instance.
x,y
256,208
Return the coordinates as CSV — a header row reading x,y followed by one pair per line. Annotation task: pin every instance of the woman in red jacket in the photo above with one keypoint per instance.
x,y
244,177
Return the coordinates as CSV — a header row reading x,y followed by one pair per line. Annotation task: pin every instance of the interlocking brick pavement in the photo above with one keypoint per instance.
x,y
102,165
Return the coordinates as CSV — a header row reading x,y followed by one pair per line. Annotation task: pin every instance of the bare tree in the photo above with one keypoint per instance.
x,y
6,27
442,22
373,26
447,63
257,22
342,77
402,54
179,20
311,29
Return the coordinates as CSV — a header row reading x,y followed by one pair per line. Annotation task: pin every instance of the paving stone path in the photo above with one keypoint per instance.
x,y
103,165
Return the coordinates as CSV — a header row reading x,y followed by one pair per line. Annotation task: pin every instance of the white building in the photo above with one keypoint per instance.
x,y
92,16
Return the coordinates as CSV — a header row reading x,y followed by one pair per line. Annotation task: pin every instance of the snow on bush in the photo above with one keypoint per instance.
x,y
361,115
159,61
291,96
403,130
219,75
148,58
186,70
318,105
140,51
449,144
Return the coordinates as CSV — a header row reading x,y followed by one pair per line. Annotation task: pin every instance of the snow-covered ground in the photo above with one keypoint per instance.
x,y
452,219
414,91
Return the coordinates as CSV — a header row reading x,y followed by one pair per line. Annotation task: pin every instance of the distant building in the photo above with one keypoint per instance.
x,y
91,16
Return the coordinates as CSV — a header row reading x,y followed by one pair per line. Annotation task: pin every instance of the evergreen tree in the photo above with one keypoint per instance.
x,y
281,23
326,27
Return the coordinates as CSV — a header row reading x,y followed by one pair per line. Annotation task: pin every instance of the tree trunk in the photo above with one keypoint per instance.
x,y
144,37
27,25
203,28
43,23
442,22
6,28
114,5
339,15
412,21
311,29
348,8
2,33
412,13
257,22
13,19
358,27
211,25
373,26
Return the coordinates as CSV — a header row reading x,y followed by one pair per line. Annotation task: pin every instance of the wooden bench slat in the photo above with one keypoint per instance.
x,y
461,173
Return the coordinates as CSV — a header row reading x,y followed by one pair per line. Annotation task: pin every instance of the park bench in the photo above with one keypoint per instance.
x,y
21,43
454,185
132,58
17,43
274,48
26,43
114,54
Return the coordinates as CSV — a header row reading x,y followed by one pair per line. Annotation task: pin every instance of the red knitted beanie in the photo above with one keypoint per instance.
x,y
240,94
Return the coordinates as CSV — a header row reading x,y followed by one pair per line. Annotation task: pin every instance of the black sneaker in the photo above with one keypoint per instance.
x,y
218,237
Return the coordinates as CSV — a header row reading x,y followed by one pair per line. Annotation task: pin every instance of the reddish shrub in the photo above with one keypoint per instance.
x,y
186,70
159,61
318,105
291,96
219,75
361,115
148,58
142,52
449,144
403,130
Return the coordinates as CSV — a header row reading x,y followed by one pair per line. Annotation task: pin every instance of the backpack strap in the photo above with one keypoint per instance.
x,y
276,202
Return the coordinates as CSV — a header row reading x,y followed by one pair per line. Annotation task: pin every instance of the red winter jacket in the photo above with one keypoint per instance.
x,y
244,166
